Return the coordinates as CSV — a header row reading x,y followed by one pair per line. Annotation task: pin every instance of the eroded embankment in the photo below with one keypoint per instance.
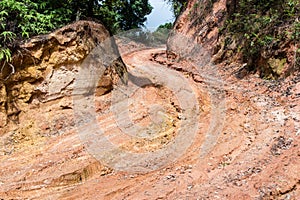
x,y
245,143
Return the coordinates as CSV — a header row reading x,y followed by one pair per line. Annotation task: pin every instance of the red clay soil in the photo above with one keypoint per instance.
x,y
254,155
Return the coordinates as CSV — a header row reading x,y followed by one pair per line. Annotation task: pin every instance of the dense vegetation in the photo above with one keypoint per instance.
x,y
21,19
260,29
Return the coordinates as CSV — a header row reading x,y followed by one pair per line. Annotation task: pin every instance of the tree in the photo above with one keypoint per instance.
x,y
133,13
21,19
177,6
118,15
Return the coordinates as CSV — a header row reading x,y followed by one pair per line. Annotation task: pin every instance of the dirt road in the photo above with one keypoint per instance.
x,y
176,134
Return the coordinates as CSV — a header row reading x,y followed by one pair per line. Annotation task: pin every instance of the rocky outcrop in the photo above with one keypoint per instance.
x,y
44,68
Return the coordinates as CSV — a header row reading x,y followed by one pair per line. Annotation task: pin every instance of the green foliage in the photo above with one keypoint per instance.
x,y
260,25
161,33
177,6
5,54
21,19
24,18
132,13
167,25
117,15
296,31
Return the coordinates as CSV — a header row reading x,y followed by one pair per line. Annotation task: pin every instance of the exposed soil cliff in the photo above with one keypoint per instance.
x,y
44,68
37,110
256,36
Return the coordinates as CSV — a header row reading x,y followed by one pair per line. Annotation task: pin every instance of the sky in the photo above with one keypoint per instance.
x,y
161,14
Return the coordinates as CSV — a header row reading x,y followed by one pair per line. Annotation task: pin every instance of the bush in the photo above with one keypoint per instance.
x,y
261,25
21,19
24,18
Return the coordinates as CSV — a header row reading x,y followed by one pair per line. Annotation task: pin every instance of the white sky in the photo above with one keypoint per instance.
x,y
161,13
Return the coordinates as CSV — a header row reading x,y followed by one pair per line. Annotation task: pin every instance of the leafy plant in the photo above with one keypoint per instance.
x,y
5,54
260,25
23,18
20,19
177,6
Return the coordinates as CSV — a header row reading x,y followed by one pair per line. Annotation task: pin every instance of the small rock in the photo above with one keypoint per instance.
x,y
171,177
189,187
233,106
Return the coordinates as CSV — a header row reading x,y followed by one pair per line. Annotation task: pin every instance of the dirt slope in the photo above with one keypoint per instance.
x,y
258,35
